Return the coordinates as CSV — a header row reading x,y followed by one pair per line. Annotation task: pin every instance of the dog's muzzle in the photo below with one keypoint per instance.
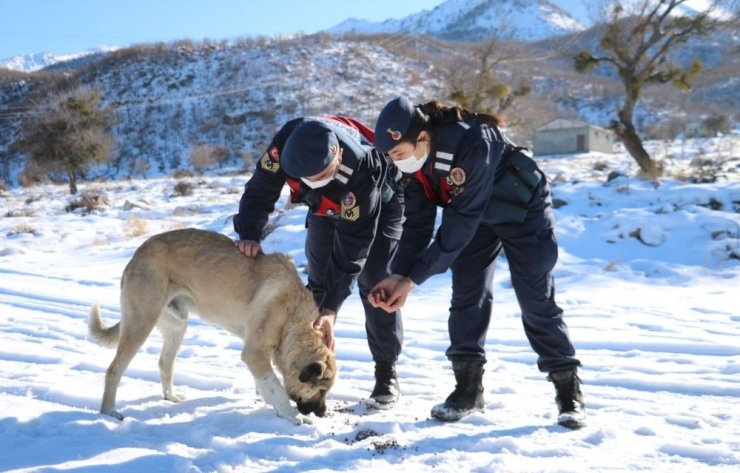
x,y
317,407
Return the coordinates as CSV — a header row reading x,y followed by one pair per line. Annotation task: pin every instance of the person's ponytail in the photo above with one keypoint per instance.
x,y
434,113
439,114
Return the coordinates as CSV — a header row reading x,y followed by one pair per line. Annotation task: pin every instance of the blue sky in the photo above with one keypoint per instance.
x,y
68,26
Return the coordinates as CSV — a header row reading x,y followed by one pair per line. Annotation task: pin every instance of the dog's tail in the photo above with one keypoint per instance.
x,y
105,336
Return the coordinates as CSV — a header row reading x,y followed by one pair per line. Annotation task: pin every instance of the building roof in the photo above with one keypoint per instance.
x,y
567,123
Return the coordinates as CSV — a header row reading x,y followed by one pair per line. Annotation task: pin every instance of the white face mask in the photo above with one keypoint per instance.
x,y
317,184
412,164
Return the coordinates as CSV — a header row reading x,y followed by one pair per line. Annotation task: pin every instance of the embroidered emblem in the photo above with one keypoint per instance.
x,y
333,149
350,209
395,135
456,191
351,214
268,164
274,154
457,175
349,200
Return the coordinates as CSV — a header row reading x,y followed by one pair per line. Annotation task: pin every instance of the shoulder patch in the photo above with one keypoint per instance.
x,y
351,214
350,209
267,164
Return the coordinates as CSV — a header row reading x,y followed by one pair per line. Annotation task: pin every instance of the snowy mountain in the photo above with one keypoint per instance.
x,y
38,61
521,20
472,20
29,62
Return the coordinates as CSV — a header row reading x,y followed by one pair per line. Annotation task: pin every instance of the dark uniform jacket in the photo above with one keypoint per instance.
x,y
361,201
476,175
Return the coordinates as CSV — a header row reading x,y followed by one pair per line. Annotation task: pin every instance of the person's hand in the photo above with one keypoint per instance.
x,y
397,298
325,324
390,293
379,294
249,248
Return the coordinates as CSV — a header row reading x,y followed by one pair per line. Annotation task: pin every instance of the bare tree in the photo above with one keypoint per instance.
x,y
475,86
69,134
637,44
203,156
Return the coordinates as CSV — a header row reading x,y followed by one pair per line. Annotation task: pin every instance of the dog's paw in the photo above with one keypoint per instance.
x,y
296,417
303,419
174,397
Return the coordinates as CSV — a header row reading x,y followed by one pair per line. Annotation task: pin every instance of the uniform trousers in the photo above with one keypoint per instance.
x,y
384,330
531,251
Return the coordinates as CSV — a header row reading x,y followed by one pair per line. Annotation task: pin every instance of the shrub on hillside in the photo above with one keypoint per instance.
x,y
204,156
183,188
88,202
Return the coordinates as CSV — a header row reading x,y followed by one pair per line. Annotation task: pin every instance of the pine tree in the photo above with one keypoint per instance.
x,y
69,134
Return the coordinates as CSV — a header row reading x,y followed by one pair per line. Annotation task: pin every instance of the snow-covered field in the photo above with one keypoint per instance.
x,y
649,277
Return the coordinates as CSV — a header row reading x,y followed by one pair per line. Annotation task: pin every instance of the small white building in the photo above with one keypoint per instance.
x,y
563,135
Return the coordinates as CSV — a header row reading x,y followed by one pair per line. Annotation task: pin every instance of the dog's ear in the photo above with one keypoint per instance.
x,y
311,373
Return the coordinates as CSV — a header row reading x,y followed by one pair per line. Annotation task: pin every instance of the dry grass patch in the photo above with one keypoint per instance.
x,y
23,228
88,202
20,213
135,226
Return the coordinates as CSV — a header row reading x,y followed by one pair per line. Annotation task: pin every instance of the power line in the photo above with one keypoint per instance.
x,y
26,110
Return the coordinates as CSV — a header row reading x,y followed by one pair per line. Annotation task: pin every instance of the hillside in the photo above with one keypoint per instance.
x,y
170,97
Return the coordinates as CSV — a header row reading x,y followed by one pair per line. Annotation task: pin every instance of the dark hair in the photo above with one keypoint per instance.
x,y
431,114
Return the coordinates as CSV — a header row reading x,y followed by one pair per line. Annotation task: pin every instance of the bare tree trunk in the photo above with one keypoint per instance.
x,y
72,182
625,130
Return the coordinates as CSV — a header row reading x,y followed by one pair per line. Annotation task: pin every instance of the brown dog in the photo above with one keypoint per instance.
x,y
262,300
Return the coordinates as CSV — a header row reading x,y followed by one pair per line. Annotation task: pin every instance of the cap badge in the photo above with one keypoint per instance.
x,y
333,149
395,135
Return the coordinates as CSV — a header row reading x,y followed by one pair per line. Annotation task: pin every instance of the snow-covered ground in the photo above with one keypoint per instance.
x,y
649,277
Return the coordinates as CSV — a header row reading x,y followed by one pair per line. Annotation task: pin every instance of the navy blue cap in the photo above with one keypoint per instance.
x,y
393,123
309,149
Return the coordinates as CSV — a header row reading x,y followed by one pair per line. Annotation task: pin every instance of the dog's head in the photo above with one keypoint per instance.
x,y
308,366
309,382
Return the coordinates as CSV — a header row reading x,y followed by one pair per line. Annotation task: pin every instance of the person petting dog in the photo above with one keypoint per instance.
x,y
493,197
354,222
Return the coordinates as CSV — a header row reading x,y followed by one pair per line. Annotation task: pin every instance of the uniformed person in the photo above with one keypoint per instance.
x,y
354,222
493,197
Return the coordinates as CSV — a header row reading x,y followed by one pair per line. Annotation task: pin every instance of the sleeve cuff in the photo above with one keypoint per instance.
x,y
332,302
418,277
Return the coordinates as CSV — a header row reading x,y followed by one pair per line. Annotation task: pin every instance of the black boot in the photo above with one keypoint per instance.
x,y
386,391
468,394
572,410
